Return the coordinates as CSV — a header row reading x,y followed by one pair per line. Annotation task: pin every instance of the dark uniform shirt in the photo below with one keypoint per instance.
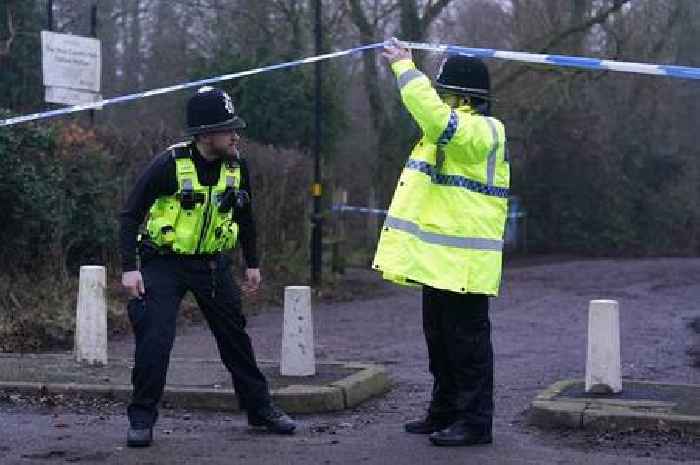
x,y
159,180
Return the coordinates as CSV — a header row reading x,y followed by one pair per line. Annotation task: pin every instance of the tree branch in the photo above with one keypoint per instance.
x,y
386,12
558,38
599,18
432,11
378,111
360,21
6,44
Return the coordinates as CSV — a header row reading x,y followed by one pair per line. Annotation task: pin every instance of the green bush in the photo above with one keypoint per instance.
x,y
57,189
63,186
58,195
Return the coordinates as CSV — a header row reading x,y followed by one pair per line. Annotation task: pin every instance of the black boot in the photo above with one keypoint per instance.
x,y
139,436
460,433
430,424
272,418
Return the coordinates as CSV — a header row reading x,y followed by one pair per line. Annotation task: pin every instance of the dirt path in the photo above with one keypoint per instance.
x,y
539,337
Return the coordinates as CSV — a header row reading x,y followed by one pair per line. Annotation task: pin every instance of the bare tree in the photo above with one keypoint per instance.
x,y
371,20
6,44
581,23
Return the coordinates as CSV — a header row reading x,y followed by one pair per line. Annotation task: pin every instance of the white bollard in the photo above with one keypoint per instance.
x,y
603,371
91,319
298,356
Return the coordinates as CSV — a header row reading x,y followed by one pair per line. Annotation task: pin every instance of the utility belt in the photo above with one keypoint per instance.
x,y
148,250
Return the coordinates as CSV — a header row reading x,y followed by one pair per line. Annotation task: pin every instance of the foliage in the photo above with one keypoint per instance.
x,y
606,163
279,107
57,191
36,317
56,188
28,191
37,311
20,67
62,192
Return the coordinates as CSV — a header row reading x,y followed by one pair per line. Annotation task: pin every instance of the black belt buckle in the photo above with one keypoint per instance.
x,y
187,200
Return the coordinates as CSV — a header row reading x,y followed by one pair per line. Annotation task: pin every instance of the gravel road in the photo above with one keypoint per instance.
x,y
539,327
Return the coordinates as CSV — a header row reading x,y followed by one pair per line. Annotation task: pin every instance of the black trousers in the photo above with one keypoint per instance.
x,y
167,278
458,333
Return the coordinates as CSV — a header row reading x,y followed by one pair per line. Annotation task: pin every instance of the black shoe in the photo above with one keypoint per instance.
x,y
139,436
272,418
460,434
427,425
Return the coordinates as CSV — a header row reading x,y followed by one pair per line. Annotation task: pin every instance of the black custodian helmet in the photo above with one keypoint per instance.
x,y
211,110
467,76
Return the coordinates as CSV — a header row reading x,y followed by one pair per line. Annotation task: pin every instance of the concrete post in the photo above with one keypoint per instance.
x,y
91,320
298,355
603,371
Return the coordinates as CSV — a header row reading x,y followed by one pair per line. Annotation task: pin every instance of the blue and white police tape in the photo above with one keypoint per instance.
x,y
165,90
375,211
681,72
350,208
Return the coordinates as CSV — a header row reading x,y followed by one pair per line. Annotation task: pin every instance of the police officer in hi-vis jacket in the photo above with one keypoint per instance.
x,y
198,200
444,232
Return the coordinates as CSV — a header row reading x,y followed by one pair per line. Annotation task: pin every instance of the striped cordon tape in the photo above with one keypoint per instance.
x,y
378,211
681,72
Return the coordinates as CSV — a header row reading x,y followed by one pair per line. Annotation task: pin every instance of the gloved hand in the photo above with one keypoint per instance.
x,y
395,50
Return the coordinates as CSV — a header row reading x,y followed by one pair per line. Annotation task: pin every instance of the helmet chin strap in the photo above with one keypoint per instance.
x,y
456,101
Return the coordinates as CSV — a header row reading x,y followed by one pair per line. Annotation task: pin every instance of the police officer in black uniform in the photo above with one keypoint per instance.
x,y
169,265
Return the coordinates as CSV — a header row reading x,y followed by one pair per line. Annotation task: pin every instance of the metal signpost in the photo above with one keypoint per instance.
x,y
317,220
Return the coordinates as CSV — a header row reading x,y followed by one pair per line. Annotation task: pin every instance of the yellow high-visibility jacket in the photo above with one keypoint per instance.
x,y
446,221
193,221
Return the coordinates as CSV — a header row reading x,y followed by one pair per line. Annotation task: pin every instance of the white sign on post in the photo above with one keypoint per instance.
x,y
72,67
71,96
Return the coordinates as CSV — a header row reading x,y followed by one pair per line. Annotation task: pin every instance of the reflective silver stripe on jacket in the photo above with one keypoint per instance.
x,y
473,243
491,163
409,76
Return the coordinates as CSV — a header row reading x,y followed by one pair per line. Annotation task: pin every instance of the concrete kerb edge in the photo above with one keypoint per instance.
x,y
53,355
607,420
546,412
370,381
298,398
555,389
116,391
551,414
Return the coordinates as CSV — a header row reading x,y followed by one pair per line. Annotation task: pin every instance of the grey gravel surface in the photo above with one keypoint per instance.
x,y
539,326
